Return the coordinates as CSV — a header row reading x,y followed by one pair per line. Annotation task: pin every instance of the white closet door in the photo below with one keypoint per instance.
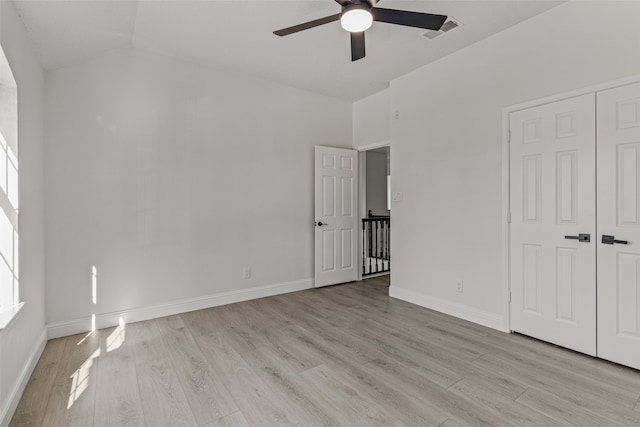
x,y
619,217
553,276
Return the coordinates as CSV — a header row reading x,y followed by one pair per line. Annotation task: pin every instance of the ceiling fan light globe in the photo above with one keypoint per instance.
x,y
356,20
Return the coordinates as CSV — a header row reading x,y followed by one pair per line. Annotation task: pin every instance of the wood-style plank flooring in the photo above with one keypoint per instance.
x,y
345,355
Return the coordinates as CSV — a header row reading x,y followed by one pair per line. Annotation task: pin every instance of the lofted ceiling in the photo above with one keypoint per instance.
x,y
237,36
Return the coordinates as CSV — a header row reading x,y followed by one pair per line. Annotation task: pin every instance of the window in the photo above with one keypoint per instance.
x,y
9,271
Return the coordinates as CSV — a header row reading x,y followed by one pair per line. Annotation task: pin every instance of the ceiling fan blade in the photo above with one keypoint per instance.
x,y
409,19
307,25
344,3
357,46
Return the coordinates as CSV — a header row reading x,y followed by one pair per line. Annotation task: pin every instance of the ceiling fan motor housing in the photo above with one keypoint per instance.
x,y
367,3
362,6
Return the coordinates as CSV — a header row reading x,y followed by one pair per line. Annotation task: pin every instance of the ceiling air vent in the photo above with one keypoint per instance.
x,y
449,25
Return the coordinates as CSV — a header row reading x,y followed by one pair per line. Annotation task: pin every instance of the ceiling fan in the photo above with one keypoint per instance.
x,y
358,15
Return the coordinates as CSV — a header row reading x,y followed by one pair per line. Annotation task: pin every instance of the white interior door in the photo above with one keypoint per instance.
x,y
619,216
552,196
336,215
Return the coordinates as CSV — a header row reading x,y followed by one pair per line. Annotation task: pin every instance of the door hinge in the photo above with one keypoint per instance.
x,y
509,137
509,217
509,297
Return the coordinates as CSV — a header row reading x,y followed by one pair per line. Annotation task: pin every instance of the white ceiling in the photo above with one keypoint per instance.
x,y
237,36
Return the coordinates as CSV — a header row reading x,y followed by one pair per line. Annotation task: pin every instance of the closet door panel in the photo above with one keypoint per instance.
x,y
618,153
552,161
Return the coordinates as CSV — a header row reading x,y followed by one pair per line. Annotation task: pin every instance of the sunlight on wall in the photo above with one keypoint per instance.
x,y
94,285
94,299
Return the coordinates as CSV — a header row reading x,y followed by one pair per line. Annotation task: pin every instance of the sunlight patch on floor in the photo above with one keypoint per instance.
x,y
80,379
117,337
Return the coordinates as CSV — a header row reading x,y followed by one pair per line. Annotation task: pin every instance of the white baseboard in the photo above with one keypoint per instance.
x,y
12,400
481,317
371,276
106,320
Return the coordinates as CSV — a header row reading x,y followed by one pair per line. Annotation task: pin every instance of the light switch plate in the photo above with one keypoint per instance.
x,y
396,196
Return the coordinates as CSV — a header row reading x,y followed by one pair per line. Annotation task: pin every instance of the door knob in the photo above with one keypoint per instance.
x,y
610,240
320,223
582,237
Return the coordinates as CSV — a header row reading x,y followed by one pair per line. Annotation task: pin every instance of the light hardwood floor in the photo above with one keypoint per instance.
x,y
343,355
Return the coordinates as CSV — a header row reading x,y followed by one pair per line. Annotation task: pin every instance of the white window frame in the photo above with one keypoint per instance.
x,y
10,305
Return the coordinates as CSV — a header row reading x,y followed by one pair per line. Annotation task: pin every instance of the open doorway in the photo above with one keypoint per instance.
x,y
376,212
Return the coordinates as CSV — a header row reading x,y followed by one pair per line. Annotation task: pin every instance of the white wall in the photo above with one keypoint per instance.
x,y
447,145
22,342
171,178
371,120
376,170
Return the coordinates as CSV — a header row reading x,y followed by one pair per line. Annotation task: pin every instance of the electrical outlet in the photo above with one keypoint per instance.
x,y
396,196
246,272
460,286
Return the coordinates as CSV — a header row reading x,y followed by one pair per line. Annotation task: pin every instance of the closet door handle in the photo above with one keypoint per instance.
x,y
582,237
610,240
